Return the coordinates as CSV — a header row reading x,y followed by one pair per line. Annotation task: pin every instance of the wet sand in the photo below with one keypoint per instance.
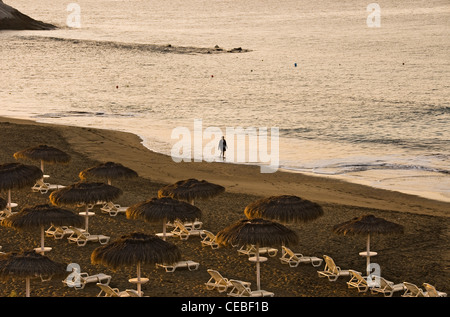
x,y
419,255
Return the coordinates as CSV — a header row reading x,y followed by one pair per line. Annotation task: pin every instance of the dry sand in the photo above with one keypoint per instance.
x,y
419,255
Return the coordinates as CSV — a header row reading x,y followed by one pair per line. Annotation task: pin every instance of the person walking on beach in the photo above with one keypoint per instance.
x,y
222,147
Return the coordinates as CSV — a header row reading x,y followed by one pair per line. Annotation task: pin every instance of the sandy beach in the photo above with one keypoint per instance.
x,y
419,255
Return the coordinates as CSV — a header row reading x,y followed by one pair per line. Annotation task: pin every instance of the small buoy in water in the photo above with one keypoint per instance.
x,y
295,64
212,76
117,87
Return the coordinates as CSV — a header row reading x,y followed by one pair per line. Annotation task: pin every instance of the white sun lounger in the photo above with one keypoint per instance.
x,y
185,232
81,238
250,250
242,290
332,271
79,281
108,291
387,288
59,232
190,265
113,209
294,259
219,283
412,290
43,187
209,240
358,281
432,292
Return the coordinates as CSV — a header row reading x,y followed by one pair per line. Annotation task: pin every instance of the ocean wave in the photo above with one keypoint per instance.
x,y
343,168
67,114
159,48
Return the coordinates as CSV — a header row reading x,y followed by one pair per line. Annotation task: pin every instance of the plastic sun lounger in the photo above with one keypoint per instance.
x,y
113,209
108,291
79,281
432,292
185,232
332,271
218,282
242,290
294,259
192,225
60,232
190,265
209,240
81,238
412,290
250,250
43,188
387,288
358,281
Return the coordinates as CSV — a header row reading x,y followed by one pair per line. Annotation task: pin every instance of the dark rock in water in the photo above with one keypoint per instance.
x,y
237,49
12,19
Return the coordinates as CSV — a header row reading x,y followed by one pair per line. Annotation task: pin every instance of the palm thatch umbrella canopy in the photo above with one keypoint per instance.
x,y
258,232
41,216
367,225
190,190
109,171
285,209
163,209
44,154
84,193
17,176
136,249
27,265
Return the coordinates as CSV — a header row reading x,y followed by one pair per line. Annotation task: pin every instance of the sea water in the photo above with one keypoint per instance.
x,y
368,104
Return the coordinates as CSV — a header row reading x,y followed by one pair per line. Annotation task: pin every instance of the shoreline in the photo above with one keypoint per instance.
x,y
127,148
422,248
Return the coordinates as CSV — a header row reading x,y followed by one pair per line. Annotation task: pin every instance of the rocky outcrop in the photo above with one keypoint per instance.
x,y
12,19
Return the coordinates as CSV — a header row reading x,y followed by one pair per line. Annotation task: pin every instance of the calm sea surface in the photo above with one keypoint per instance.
x,y
367,104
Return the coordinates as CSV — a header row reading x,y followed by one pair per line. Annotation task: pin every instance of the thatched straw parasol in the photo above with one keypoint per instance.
x,y
163,209
44,154
190,190
285,209
17,176
41,216
27,265
367,225
84,193
109,171
258,232
136,249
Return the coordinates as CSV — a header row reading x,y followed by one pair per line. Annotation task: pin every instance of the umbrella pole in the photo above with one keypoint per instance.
x,y
368,254
139,279
164,229
258,282
86,218
9,201
42,240
109,181
27,287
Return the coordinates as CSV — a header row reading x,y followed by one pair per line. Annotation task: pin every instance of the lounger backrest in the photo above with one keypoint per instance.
x,y
107,289
240,287
415,291
384,284
357,275
431,290
330,265
210,235
290,253
216,275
